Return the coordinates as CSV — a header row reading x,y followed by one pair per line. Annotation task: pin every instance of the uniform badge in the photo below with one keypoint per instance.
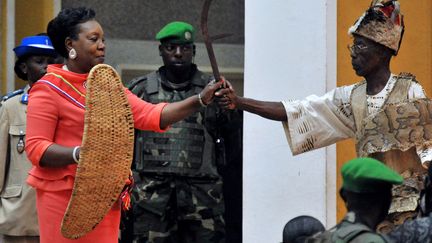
x,y
188,35
20,145
24,99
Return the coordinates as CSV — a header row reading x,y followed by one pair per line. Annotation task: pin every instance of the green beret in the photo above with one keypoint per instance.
x,y
365,175
178,32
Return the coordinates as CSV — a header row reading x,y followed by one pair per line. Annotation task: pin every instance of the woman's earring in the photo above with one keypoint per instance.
x,y
72,54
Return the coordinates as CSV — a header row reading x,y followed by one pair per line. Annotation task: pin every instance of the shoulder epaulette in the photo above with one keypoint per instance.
x,y
12,94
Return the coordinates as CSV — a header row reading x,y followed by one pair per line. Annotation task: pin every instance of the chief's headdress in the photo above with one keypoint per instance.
x,y
382,23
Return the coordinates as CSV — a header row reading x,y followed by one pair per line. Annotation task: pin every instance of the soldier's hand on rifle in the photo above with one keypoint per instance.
x,y
226,97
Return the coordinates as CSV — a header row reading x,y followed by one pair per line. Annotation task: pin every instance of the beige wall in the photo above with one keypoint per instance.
x,y
31,22
31,17
414,56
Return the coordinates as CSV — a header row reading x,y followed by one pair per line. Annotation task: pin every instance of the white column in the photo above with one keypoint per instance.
x,y
331,61
286,54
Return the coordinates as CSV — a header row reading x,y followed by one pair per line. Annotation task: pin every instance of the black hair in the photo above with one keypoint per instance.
x,y
18,70
301,227
66,25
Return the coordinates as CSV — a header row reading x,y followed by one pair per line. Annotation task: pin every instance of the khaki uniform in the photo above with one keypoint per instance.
x,y
17,199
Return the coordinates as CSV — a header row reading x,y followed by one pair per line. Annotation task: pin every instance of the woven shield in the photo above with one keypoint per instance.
x,y
106,153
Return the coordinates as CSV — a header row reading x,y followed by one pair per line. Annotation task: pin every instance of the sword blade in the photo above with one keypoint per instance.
x,y
207,39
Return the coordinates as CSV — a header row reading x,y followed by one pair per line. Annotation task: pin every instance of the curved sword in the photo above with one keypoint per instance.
x,y
208,39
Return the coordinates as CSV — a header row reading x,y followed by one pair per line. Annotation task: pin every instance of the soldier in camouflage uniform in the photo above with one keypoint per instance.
x,y
178,193
366,190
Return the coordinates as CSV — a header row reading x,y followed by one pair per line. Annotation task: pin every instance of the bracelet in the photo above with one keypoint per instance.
x,y
201,101
74,154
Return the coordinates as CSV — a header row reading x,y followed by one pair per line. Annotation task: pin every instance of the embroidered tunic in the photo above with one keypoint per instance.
x,y
317,122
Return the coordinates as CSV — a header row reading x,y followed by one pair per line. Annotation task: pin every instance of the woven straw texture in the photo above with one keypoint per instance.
x,y
106,153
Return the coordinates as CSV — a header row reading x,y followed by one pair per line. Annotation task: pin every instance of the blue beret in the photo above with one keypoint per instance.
x,y
35,45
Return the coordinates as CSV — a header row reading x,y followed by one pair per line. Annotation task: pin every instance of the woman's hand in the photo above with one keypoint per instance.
x,y
208,93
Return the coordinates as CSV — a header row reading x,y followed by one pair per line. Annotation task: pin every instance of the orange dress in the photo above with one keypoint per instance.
x,y
55,114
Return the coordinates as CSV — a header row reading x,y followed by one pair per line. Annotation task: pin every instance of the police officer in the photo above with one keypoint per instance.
x,y
178,194
366,190
18,219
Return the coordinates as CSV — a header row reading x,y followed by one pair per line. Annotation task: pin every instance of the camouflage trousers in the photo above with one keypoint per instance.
x,y
177,209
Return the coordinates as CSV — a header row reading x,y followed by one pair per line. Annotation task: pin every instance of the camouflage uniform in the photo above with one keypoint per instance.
x,y
347,231
417,230
178,192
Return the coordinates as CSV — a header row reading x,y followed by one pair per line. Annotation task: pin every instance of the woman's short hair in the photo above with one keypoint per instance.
x,y
66,25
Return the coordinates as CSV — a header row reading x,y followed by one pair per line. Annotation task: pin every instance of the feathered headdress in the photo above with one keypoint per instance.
x,y
382,23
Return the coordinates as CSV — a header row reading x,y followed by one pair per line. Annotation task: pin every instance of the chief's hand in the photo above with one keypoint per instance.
x,y
208,93
226,97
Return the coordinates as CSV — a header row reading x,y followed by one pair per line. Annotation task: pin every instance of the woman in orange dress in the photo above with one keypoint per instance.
x,y
55,121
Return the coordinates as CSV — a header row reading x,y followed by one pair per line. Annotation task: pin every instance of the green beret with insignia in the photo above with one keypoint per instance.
x,y
177,32
365,175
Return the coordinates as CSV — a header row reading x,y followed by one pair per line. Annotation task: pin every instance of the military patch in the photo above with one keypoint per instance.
x,y
188,35
21,144
24,99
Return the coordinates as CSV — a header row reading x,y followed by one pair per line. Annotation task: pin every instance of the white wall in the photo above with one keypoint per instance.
x,y
285,58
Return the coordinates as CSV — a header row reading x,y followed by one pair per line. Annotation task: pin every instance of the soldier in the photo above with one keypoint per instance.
x,y
178,193
18,219
366,190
